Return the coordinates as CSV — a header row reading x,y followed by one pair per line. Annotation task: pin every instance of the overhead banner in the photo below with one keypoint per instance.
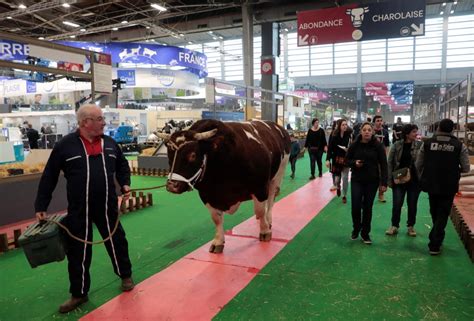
x,y
398,95
388,19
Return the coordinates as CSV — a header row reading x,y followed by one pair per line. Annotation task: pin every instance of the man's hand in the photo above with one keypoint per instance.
x,y
41,216
126,192
383,189
359,163
328,164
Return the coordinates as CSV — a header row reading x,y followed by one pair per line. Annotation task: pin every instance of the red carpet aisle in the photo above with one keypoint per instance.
x,y
200,284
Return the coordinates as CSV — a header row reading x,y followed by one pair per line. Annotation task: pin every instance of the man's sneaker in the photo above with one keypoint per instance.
x,y
312,177
338,192
72,304
127,284
333,188
354,235
411,231
435,252
320,175
393,230
344,200
292,175
367,240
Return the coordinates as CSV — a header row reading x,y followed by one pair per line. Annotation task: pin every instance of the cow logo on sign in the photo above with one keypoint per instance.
x,y
138,55
357,17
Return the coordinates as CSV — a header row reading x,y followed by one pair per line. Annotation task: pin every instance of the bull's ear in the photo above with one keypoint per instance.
x,y
217,142
205,135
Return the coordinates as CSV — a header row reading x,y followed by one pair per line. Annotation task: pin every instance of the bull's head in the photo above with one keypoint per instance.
x,y
357,15
187,158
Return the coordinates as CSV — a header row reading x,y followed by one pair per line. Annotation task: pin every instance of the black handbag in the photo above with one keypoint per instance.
x,y
401,176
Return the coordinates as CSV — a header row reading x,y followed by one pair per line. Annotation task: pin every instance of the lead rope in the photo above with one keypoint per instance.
x,y
116,222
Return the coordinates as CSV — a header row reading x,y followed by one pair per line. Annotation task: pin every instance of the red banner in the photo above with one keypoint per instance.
x,y
318,27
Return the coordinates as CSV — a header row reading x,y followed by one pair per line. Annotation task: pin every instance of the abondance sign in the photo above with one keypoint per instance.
x,y
389,19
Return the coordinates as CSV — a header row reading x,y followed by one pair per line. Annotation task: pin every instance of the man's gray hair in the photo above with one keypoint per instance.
x,y
84,111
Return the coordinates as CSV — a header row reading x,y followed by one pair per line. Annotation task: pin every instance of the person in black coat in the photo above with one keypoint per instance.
x,y
33,137
368,161
316,144
339,142
440,162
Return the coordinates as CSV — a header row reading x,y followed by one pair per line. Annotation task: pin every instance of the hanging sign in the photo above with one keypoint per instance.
x,y
388,19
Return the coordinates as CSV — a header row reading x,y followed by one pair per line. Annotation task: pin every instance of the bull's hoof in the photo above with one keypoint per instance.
x,y
216,248
265,237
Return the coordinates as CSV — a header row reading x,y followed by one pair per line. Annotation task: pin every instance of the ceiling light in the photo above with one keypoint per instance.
x,y
441,13
455,2
114,28
190,42
181,35
72,24
41,38
444,4
22,6
452,11
158,7
66,5
147,27
215,38
221,38
87,14
9,17
210,32
72,36
124,22
83,30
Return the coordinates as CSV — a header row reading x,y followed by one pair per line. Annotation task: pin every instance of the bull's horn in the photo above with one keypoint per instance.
x,y
205,135
163,136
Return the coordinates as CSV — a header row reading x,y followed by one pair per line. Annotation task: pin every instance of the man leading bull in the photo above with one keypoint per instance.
x,y
90,162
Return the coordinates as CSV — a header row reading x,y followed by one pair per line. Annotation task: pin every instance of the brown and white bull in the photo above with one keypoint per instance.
x,y
229,163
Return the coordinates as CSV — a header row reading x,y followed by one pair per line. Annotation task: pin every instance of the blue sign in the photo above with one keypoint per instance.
x,y
127,75
223,115
149,54
30,87
390,19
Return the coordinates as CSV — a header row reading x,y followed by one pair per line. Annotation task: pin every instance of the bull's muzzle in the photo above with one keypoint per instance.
x,y
176,187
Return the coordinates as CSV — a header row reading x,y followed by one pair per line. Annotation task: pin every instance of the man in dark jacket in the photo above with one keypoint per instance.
x,y
33,137
90,162
439,164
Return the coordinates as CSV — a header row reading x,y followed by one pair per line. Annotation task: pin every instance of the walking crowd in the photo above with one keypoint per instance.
x,y
433,165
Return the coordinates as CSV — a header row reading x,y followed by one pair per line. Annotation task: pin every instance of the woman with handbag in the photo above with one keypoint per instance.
x,y
366,157
316,144
403,179
336,157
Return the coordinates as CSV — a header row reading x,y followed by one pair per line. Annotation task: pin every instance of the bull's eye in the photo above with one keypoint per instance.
x,y
192,157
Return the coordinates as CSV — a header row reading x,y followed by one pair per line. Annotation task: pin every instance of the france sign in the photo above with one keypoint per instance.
x,y
389,19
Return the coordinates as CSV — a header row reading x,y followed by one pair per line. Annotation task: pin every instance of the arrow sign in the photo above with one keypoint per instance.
x,y
417,31
303,40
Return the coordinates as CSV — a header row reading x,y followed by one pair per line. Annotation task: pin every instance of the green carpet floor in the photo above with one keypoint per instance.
x,y
324,275
321,274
